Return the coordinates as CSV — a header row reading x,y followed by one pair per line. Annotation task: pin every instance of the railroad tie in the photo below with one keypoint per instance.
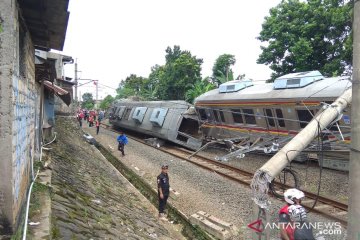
x,y
341,213
323,206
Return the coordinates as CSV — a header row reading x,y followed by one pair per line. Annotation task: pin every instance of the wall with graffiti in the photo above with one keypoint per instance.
x,y
26,105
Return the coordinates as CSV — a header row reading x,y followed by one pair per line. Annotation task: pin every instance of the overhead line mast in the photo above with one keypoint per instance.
x,y
354,173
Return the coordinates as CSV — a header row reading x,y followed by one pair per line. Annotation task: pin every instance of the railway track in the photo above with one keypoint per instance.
x,y
325,206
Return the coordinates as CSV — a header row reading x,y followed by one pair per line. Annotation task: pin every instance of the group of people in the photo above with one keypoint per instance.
x,y
91,117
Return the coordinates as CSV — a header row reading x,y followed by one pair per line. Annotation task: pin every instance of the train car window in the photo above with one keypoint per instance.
x,y
237,116
269,118
249,116
202,114
305,116
209,115
216,115
127,114
222,116
280,117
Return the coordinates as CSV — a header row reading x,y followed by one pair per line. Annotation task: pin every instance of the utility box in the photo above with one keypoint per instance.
x,y
139,114
158,115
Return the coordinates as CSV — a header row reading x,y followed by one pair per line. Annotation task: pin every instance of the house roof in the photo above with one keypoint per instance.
x,y
60,92
47,22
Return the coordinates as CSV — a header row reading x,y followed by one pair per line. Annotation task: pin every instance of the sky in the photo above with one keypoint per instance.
x,y
112,39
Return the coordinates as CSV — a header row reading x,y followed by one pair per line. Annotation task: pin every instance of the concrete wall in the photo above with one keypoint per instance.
x,y
19,108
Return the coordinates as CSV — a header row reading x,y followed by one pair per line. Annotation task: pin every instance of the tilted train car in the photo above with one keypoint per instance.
x,y
175,121
274,112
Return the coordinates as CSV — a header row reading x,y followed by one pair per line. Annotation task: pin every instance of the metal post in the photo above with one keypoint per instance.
x,y
76,81
354,174
97,89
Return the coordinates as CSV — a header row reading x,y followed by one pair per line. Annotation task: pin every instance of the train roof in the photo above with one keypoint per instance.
x,y
324,88
158,104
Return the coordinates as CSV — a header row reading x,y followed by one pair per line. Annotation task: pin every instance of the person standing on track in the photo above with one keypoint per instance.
x,y
163,190
97,124
79,118
122,140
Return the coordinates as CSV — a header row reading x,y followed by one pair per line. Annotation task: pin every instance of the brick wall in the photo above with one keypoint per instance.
x,y
19,109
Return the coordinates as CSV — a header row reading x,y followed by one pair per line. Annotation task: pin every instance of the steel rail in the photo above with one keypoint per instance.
x,y
334,208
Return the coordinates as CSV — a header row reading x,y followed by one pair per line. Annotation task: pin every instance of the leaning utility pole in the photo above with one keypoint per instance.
x,y
76,81
354,173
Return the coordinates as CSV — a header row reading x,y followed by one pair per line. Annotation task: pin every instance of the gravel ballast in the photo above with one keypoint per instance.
x,y
200,190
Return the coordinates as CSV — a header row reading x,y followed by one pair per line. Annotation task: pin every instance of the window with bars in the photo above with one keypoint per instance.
x,y
237,116
249,116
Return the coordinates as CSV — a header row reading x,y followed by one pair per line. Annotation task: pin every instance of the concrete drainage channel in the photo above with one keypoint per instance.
x,y
189,230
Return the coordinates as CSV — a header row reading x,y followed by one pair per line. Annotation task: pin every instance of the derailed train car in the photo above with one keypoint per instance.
x,y
250,117
174,121
266,116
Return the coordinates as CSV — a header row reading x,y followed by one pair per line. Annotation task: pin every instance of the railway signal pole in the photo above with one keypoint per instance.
x,y
354,174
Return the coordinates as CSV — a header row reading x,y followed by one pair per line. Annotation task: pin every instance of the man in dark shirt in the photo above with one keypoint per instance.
x,y
163,190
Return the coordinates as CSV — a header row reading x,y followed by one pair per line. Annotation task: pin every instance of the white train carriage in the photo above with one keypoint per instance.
x,y
266,116
174,121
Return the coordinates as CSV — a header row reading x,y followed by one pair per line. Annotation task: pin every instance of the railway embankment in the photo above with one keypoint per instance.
x,y
198,189
90,199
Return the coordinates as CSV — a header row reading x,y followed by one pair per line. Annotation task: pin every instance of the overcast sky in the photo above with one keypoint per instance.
x,y
112,39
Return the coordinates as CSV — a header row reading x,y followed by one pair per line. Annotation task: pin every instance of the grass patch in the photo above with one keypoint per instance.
x,y
36,194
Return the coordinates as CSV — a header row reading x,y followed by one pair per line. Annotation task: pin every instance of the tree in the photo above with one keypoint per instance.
x,y
307,35
181,70
88,101
106,102
222,71
153,85
198,88
133,85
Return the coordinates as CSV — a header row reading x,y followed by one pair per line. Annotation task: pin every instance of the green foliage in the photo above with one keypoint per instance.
x,y
222,71
222,78
88,101
307,35
198,88
134,85
106,102
180,71
167,82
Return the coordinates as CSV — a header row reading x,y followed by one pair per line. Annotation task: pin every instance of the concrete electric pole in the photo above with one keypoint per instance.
x,y
97,89
76,99
354,174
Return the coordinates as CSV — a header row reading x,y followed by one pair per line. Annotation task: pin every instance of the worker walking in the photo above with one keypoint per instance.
x,y
97,124
122,140
163,190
